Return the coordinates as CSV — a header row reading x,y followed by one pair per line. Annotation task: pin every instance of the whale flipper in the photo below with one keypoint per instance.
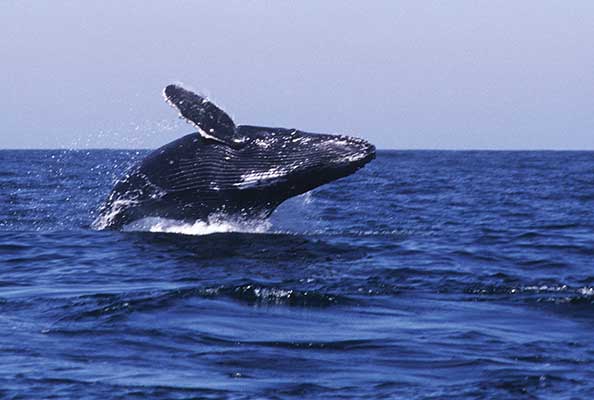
x,y
211,121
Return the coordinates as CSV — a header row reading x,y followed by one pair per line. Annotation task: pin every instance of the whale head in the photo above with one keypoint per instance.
x,y
294,161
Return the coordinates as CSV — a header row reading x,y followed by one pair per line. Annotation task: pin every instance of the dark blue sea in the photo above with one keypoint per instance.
x,y
425,275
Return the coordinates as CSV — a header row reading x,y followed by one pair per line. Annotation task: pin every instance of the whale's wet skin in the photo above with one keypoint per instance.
x,y
240,171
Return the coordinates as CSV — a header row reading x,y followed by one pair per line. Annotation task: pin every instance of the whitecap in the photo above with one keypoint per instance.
x,y
215,224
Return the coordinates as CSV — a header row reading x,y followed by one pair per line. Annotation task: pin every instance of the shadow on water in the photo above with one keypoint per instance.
x,y
249,246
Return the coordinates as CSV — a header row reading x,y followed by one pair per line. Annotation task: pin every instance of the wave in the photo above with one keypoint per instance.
x,y
555,294
114,306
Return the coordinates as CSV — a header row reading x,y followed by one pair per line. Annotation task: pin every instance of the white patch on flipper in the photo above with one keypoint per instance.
x,y
204,134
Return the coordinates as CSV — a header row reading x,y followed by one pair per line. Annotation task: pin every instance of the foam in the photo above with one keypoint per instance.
x,y
215,224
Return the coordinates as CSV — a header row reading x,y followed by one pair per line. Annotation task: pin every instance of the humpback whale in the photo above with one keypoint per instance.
x,y
223,168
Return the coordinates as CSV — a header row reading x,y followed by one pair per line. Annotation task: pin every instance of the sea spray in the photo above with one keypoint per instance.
x,y
214,224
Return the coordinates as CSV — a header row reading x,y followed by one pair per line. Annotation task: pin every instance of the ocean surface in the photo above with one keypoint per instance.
x,y
426,275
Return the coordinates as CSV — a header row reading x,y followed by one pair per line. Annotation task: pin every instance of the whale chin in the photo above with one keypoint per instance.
x,y
242,171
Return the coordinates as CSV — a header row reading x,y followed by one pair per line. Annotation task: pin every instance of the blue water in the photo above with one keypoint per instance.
x,y
424,275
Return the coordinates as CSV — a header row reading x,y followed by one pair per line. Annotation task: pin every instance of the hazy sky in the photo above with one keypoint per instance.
x,y
402,74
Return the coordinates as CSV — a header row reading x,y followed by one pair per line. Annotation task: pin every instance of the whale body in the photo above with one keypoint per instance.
x,y
244,171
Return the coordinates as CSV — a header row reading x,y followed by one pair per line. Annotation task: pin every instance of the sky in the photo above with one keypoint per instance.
x,y
401,74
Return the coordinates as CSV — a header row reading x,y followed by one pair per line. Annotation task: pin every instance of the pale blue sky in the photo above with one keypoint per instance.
x,y
402,74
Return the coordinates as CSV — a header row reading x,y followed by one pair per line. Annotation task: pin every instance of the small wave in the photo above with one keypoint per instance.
x,y
558,294
268,296
215,224
111,307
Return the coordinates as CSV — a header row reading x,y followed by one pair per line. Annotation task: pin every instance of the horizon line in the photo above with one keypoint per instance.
x,y
378,149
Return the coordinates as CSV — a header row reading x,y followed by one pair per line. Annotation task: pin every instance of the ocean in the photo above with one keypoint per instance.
x,y
425,275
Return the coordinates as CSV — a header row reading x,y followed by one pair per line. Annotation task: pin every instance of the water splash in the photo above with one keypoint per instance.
x,y
215,224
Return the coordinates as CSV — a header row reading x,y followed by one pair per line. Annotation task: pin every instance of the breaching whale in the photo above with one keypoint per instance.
x,y
244,171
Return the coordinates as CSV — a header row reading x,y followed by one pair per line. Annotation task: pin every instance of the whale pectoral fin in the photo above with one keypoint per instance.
x,y
211,121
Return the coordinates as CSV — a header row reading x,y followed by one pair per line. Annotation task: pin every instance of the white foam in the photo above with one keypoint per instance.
x,y
215,224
